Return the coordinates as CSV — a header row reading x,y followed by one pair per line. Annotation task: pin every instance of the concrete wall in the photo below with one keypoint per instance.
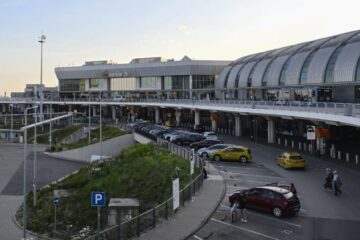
x,y
141,139
110,147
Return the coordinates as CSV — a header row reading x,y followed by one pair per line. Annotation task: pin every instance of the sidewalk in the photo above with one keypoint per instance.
x,y
195,213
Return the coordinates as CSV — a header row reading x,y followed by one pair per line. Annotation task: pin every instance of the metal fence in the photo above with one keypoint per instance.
x,y
149,219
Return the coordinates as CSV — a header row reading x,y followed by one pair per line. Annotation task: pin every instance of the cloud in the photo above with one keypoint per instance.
x,y
184,29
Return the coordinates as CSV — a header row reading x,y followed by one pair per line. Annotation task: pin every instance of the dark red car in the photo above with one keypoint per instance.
x,y
278,201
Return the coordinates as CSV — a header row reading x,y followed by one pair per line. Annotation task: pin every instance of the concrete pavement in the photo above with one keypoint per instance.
x,y
195,213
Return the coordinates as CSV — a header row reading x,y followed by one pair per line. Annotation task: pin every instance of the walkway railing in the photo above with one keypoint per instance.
x,y
347,109
149,219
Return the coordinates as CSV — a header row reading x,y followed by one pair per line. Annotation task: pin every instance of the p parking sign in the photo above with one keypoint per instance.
x,y
98,199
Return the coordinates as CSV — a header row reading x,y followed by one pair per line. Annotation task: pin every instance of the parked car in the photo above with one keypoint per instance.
x,y
198,129
276,200
187,139
204,143
205,152
210,135
119,99
235,153
170,123
290,160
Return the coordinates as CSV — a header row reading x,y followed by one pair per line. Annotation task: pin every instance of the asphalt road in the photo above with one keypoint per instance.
x,y
11,181
323,216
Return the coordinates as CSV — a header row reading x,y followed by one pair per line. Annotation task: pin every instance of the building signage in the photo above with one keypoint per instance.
x,y
176,193
310,132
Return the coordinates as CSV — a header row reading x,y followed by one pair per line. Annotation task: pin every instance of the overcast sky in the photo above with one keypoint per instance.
x,y
119,30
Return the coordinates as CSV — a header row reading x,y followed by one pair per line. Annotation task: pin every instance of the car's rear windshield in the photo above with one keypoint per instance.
x,y
295,158
288,195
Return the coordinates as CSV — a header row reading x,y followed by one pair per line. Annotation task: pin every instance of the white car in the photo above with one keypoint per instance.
x,y
119,99
205,152
210,135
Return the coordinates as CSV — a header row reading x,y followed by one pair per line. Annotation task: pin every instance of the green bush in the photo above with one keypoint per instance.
x,y
144,172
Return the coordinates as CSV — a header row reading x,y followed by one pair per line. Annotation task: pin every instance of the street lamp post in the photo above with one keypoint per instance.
x,y
41,40
89,130
100,127
12,123
25,170
50,138
35,157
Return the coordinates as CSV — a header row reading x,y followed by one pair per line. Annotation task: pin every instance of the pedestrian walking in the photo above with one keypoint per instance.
x,y
233,212
337,183
328,179
241,202
293,189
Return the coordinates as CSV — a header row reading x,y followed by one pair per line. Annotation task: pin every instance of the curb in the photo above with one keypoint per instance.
x,y
206,219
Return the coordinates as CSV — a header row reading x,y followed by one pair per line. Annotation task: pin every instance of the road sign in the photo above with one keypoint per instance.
x,y
56,201
98,199
176,193
310,132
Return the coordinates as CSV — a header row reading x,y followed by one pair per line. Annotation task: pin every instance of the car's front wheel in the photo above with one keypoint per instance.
x,y
277,212
217,158
243,159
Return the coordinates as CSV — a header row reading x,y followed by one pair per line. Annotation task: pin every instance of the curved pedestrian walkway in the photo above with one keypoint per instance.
x,y
195,214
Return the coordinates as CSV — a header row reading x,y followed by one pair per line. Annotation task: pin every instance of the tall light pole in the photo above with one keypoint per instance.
x,y
100,127
12,122
41,40
35,157
89,130
50,138
24,182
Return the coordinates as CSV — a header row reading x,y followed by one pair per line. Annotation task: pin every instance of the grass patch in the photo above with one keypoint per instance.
x,y
58,135
108,132
144,172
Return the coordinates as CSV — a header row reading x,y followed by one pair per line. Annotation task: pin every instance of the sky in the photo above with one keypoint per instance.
x,y
120,30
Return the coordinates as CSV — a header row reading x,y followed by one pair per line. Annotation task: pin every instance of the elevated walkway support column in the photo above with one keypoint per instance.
x,y
94,111
238,132
271,130
178,117
213,125
113,112
157,115
197,118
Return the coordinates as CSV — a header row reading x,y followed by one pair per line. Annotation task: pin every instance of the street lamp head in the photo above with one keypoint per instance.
x,y
42,39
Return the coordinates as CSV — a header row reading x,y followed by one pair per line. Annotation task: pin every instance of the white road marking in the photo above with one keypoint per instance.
x,y
244,229
215,177
199,238
273,219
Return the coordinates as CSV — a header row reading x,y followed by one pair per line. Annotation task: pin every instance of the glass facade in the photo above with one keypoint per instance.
x,y
305,68
357,76
282,79
69,85
266,75
249,81
98,84
203,81
329,74
123,83
167,83
150,83
180,82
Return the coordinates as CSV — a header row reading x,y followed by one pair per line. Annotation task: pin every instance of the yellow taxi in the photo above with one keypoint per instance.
x,y
235,153
170,124
290,160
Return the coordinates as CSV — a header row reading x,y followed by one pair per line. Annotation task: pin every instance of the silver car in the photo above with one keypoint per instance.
x,y
205,152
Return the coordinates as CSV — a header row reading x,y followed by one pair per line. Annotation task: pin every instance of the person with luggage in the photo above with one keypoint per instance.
x,y
337,183
328,180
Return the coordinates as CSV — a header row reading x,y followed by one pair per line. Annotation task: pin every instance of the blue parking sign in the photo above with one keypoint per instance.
x,y
98,199
56,201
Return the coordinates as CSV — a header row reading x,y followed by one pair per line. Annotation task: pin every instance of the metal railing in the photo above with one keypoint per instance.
x,y
149,219
348,109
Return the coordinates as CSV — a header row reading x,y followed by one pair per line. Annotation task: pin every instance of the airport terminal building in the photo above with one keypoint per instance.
x,y
322,70
141,78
